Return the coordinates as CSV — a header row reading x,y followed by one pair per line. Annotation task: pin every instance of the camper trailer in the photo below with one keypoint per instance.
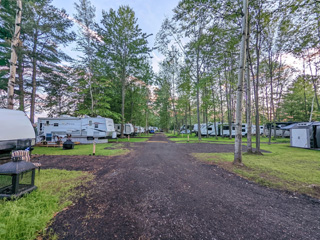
x,y
195,128
211,129
128,129
83,130
16,131
280,130
139,130
186,129
226,132
305,135
110,132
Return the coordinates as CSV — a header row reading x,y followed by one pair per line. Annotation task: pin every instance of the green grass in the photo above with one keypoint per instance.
x,y
182,138
287,168
112,150
27,217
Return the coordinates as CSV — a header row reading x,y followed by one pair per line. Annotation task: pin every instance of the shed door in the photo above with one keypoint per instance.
x,y
299,138
318,137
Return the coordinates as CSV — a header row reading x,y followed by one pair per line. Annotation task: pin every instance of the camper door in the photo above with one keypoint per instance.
x,y
90,128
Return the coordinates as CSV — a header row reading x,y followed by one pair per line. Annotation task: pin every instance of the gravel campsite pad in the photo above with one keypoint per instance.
x,y
159,191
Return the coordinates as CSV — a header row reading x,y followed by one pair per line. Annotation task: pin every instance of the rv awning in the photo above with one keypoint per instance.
x,y
289,126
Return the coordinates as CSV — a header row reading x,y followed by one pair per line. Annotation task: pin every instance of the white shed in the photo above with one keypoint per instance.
x,y
305,135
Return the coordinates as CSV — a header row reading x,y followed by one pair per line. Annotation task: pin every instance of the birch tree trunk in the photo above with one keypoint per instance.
x,y
123,95
242,64
13,60
221,104
249,120
20,82
34,78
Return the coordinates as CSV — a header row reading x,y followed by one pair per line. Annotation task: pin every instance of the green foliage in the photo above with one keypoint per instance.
x,y
27,217
298,100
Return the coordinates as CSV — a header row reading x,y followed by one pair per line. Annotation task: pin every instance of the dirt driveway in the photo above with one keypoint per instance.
x,y
159,191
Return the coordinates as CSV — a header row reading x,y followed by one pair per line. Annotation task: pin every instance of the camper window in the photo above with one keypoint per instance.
x,y
40,126
56,124
47,122
96,125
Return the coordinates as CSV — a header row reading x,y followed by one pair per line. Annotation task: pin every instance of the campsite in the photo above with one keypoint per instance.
x,y
170,119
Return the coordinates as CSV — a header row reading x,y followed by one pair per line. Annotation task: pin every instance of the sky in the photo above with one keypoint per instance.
x,y
150,14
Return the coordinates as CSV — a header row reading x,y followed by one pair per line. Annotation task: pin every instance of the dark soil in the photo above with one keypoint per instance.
x,y
159,191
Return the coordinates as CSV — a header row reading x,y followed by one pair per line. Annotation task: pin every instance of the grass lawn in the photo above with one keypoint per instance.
x,y
182,138
288,168
28,217
112,150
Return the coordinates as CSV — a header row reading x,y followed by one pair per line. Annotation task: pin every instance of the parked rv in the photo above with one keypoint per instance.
x,y
139,130
110,128
280,131
128,129
226,132
211,129
16,130
83,130
186,129
195,128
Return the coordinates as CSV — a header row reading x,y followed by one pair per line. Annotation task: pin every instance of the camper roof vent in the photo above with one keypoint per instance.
x,y
65,116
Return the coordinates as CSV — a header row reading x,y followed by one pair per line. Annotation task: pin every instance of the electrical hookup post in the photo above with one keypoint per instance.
x,y
94,148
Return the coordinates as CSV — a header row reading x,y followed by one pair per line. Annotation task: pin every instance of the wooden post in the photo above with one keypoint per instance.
x,y
128,138
94,148
188,137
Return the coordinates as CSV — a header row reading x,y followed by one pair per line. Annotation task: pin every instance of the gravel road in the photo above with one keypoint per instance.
x,y
159,191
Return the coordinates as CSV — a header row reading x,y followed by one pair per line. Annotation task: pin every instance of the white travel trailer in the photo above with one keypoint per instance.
x,y
186,129
211,129
110,132
139,129
261,128
128,129
195,127
83,130
280,129
16,131
226,133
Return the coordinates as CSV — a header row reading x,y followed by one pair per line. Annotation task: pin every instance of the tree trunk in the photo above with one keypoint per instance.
x,y
214,112
256,92
314,83
198,97
34,78
123,94
13,60
242,65
249,120
221,104
21,87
